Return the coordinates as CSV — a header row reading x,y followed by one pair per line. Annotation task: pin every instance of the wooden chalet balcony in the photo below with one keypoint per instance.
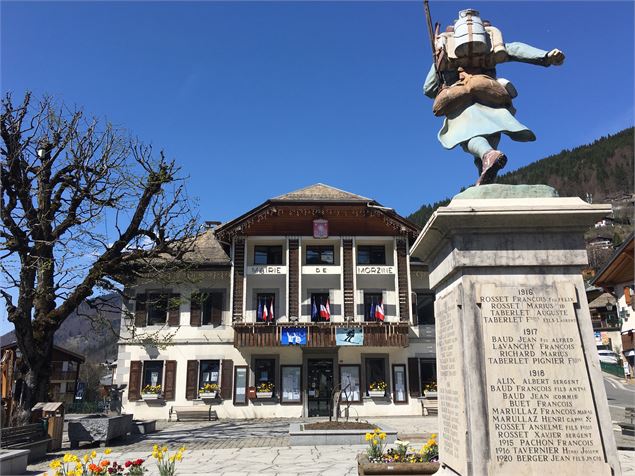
x,y
392,334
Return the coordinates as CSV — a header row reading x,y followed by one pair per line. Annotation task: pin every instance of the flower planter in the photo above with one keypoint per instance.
x,y
151,396
208,395
99,428
364,467
264,394
376,393
431,394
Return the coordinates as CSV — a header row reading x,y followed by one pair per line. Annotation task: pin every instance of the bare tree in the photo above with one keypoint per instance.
x,y
82,205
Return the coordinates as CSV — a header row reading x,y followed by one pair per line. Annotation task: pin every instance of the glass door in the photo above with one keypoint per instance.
x,y
319,386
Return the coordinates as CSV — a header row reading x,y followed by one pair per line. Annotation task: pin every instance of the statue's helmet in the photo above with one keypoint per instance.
x,y
470,37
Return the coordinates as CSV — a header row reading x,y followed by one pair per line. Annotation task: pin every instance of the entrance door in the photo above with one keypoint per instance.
x,y
319,386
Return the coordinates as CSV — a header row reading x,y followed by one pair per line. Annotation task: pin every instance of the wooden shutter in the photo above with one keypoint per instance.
x,y
170,380
413,377
627,295
348,272
217,308
402,279
192,380
239,274
140,312
195,310
294,278
227,376
134,382
174,310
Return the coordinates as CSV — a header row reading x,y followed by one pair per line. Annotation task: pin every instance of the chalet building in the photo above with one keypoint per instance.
x,y
309,294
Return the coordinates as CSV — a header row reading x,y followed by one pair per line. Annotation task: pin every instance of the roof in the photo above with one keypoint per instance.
x,y
619,269
208,251
9,340
320,192
602,300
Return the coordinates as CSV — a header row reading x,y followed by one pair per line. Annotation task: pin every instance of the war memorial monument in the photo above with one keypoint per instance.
x,y
520,385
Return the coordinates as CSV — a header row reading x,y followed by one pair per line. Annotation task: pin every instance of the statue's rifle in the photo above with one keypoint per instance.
x,y
433,33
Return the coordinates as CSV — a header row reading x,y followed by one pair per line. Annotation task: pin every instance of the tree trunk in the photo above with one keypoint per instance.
x,y
37,357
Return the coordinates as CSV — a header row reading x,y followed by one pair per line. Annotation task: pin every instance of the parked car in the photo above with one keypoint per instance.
x,y
608,357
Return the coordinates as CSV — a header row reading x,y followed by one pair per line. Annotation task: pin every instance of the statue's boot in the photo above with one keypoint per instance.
x,y
479,165
493,161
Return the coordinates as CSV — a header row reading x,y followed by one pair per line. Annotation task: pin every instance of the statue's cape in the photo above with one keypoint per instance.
x,y
479,120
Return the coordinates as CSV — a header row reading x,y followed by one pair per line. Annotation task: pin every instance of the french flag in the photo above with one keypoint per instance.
x,y
325,310
265,312
271,310
379,311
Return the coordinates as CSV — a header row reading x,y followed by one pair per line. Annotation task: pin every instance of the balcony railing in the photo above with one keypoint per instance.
x,y
63,375
393,334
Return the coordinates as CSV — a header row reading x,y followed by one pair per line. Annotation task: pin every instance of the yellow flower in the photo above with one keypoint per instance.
x,y
179,456
55,464
70,472
155,447
382,436
85,458
434,435
171,458
164,449
93,454
368,436
107,451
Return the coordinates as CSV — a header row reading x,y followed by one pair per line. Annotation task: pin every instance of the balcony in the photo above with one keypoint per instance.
x,y
391,334
63,375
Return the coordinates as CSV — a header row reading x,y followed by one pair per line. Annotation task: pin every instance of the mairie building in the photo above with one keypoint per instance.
x,y
308,296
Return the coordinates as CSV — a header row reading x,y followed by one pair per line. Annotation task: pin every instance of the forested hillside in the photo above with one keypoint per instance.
x,y
602,171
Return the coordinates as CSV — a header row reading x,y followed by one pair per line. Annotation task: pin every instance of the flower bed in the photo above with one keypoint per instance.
x,y
397,460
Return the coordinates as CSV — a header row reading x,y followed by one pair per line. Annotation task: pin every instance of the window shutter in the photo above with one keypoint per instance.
x,y
195,310
134,382
217,309
191,381
227,376
627,295
174,308
170,380
413,377
140,312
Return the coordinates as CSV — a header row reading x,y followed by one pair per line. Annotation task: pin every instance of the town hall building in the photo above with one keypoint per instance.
x,y
308,296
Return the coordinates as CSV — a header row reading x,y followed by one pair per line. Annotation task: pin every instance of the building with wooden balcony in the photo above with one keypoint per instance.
x,y
309,295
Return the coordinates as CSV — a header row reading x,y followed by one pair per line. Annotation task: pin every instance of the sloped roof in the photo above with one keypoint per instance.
x,y
602,301
320,192
207,251
619,269
9,340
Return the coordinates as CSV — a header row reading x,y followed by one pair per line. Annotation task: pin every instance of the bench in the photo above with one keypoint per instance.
x,y
429,405
31,437
628,425
199,412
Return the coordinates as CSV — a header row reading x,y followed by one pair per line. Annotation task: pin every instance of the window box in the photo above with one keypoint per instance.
x,y
208,395
151,396
430,394
377,393
264,395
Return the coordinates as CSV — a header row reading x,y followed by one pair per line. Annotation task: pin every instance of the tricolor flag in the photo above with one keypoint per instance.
x,y
271,309
259,311
325,310
379,311
265,312
372,310
314,309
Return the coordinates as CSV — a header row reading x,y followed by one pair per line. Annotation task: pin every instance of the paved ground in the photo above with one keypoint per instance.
x,y
619,392
261,447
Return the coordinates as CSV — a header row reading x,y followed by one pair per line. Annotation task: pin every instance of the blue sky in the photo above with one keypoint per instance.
x,y
257,99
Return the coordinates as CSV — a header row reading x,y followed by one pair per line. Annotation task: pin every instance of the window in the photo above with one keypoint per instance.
x,y
267,254
371,301
320,255
265,307
208,372
240,385
371,254
212,309
264,372
399,383
320,307
376,373
158,305
291,383
424,308
428,369
349,379
152,373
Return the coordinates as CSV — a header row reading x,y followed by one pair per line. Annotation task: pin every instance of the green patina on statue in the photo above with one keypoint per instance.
x,y
477,104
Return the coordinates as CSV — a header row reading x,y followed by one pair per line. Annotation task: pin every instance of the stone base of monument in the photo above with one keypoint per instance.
x,y
520,385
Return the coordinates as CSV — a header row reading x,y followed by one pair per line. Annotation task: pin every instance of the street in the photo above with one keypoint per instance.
x,y
618,393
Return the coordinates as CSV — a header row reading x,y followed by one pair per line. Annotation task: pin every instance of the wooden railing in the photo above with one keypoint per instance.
x,y
392,334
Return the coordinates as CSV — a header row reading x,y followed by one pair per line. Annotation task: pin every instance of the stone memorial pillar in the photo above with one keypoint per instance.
x,y
520,385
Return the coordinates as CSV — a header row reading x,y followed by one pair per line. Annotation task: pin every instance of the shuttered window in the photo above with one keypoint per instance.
x,y
170,380
227,374
191,382
206,308
414,383
134,381
207,371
